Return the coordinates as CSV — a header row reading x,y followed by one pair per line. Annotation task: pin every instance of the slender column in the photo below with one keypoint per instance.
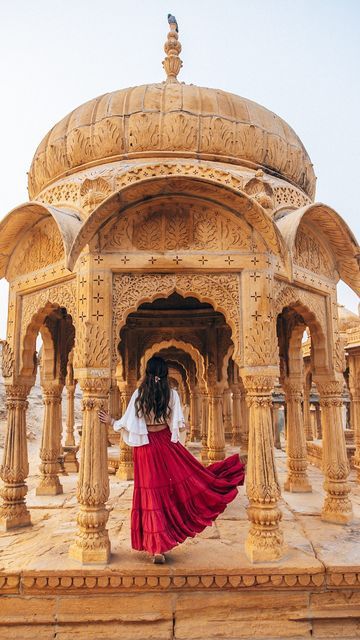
x,y
70,449
205,415
337,506
125,470
354,389
70,396
265,538
51,441
15,466
197,413
91,544
244,421
297,479
192,416
307,419
227,412
318,421
216,435
276,425
236,414
355,401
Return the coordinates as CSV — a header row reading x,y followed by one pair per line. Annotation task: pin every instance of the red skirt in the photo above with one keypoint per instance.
x,y
175,496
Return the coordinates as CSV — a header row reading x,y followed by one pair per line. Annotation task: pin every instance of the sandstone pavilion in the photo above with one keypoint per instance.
x,y
178,220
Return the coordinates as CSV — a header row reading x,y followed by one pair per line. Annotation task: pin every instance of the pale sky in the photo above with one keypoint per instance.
x,y
299,58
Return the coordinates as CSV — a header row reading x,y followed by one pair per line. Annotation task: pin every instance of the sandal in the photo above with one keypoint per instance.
x,y
159,558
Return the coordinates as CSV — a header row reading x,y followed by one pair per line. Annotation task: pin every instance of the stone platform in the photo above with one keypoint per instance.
x,y
207,590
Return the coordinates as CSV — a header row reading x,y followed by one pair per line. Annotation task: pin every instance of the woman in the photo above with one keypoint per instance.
x,y
175,496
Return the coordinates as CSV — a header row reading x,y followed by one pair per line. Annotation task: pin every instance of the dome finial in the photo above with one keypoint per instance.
x,y
172,47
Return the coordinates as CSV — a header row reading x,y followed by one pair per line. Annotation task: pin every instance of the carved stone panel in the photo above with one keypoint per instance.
x,y
311,254
41,246
179,225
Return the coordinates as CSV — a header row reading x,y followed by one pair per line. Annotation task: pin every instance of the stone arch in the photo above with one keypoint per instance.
x,y
21,219
193,179
187,347
312,308
37,307
220,290
341,240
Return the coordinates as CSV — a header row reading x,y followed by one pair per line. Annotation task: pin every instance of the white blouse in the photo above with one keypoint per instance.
x,y
134,428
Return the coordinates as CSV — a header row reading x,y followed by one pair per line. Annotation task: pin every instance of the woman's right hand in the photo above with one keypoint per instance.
x,y
104,417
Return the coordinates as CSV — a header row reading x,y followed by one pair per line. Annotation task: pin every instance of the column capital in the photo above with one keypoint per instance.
x,y
97,386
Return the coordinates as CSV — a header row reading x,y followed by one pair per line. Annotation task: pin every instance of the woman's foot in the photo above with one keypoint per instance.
x,y
159,558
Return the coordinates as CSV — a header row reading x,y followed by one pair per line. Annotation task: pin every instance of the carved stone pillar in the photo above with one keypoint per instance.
x,y
337,506
297,479
205,415
354,389
276,425
227,413
236,414
265,539
70,449
307,418
318,421
125,470
70,396
51,440
92,543
244,421
15,466
195,413
216,435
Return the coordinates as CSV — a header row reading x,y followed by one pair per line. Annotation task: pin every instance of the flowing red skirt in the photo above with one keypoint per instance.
x,y
175,496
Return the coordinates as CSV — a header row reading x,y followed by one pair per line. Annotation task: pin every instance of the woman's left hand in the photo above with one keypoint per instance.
x,y
104,416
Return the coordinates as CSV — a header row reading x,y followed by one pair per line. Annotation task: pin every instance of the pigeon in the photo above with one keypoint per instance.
x,y
172,20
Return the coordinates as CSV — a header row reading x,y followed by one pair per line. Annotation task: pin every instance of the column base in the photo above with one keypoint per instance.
x,y
70,461
215,454
90,556
267,546
298,485
13,522
337,516
125,472
49,489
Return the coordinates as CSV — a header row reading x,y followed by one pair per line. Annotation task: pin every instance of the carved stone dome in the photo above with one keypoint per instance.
x,y
171,119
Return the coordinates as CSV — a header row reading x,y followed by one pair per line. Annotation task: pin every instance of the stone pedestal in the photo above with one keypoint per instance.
x,y
265,540
92,544
15,466
50,450
337,506
70,460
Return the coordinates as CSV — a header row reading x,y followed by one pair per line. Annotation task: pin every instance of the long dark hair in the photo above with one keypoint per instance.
x,y
154,391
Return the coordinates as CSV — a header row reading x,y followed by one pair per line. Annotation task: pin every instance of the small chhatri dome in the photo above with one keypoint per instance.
x,y
171,119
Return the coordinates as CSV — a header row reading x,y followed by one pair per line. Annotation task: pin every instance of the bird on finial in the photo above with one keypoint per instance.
x,y
172,20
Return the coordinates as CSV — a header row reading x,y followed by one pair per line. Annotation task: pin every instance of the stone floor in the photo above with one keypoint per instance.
x,y
310,542
34,563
